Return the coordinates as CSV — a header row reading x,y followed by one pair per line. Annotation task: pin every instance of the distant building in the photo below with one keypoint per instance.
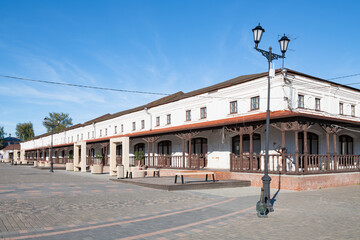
x,y
11,140
7,153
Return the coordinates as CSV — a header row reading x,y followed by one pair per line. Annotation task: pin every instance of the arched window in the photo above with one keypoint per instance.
x,y
312,143
140,147
346,145
246,144
198,146
164,147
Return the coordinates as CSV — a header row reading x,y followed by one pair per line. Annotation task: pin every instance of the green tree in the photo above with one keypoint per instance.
x,y
59,120
2,136
25,131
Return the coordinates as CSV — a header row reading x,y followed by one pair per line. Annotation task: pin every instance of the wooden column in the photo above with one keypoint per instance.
x,y
335,151
189,154
283,167
183,153
251,148
241,131
328,151
328,129
148,150
153,151
188,137
151,140
305,152
241,151
296,151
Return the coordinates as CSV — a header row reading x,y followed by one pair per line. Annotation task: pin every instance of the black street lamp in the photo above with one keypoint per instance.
x,y
264,205
49,123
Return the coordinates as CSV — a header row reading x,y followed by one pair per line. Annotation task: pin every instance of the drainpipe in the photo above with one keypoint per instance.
x,y
94,130
147,112
288,81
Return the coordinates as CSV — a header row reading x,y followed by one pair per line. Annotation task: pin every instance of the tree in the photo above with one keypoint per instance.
x,y
2,136
25,131
59,120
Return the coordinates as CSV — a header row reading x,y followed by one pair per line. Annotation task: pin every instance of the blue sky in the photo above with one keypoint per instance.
x,y
157,46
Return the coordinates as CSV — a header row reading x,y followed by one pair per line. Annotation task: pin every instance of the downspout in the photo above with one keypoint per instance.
x,y
290,83
147,112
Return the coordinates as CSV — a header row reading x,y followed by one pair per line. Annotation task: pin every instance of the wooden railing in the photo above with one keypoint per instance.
x,y
196,161
91,160
296,163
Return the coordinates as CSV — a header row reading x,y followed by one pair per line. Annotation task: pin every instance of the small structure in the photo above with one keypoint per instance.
x,y
11,153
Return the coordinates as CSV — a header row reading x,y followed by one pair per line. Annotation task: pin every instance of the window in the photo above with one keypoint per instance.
x,y
105,131
72,138
188,115
341,108
140,147
157,121
164,147
168,119
100,132
255,103
203,112
133,126
233,107
317,104
82,136
93,134
353,110
246,144
77,137
122,127
312,143
346,145
115,129
301,101
142,124
88,135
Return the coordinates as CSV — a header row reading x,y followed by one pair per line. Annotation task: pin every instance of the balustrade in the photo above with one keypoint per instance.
x,y
307,163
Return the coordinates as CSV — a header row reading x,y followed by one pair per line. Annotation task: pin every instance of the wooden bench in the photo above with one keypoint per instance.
x,y
191,173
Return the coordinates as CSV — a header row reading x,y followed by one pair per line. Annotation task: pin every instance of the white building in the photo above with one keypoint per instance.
x,y
315,127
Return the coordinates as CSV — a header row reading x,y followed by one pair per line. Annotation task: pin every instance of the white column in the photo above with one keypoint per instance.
x,y
113,142
76,157
22,156
125,141
83,156
125,153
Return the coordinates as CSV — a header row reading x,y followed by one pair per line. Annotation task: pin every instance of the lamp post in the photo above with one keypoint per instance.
x,y
265,200
48,122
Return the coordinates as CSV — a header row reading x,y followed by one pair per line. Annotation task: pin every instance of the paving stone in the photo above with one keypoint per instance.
x,y
89,208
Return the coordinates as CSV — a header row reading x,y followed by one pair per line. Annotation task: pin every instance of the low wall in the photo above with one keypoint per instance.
x,y
302,182
290,182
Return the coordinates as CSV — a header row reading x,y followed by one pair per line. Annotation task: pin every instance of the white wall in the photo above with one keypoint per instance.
x,y
283,95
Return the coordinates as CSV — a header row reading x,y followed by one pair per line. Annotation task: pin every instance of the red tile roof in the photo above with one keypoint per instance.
x,y
12,147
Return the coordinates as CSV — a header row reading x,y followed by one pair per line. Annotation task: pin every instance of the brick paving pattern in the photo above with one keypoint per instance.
x,y
36,204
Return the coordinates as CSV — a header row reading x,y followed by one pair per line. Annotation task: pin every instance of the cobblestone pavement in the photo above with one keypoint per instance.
x,y
36,204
